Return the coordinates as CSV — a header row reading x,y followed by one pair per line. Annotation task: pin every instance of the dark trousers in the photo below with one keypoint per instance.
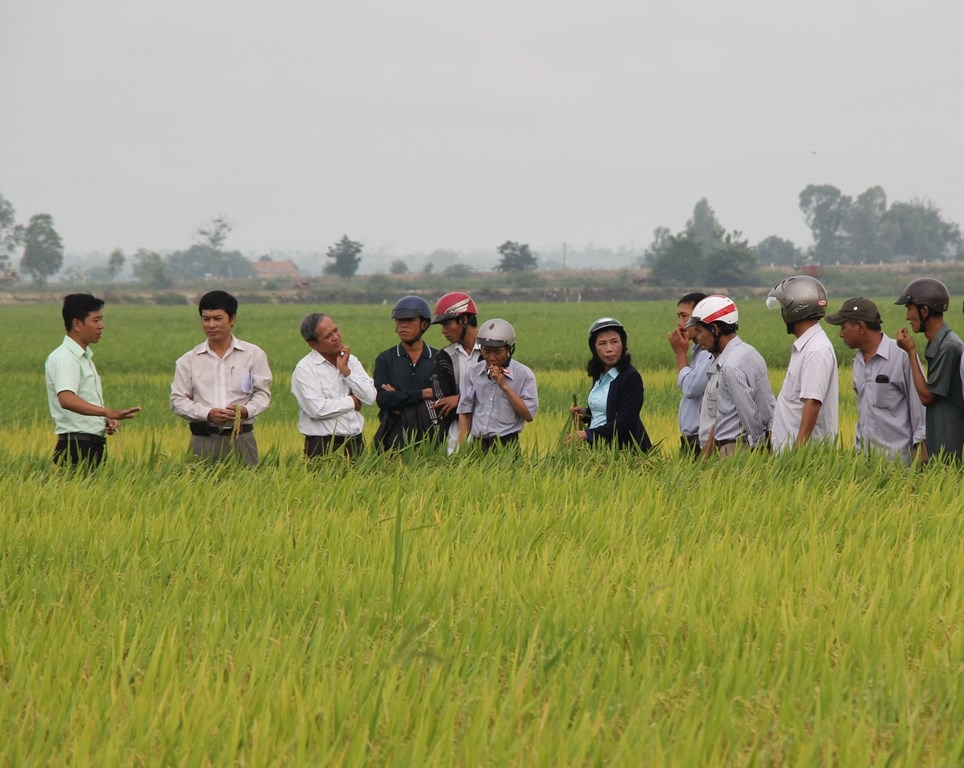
x,y
80,448
350,445
495,441
689,445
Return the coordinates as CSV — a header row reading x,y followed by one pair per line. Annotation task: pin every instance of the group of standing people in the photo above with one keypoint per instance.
x,y
475,390
472,390
727,403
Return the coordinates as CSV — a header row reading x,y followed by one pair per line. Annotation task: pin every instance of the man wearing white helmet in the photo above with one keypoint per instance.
x,y
744,400
808,401
458,317
500,393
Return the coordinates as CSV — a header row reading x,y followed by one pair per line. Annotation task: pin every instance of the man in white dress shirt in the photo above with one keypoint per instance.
x,y
807,405
330,386
221,385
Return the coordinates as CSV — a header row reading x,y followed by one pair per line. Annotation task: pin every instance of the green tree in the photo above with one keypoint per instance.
x,y
346,256
866,238
214,233
11,234
458,271
920,232
732,263
398,267
661,236
776,250
704,227
825,210
151,269
681,262
115,264
43,250
202,261
516,257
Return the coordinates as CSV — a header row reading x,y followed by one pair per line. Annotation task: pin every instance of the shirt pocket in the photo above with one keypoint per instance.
x,y
247,381
885,395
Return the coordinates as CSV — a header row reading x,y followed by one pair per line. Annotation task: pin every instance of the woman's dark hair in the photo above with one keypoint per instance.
x,y
596,367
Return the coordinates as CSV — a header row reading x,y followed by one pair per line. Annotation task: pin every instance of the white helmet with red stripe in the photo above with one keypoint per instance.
x,y
715,309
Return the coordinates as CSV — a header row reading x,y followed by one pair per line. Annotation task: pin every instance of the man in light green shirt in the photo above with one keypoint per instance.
x,y
74,391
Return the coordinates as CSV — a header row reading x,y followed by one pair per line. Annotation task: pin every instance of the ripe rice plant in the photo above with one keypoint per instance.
x,y
564,607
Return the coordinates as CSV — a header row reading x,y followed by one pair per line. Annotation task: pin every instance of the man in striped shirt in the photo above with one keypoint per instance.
x,y
744,407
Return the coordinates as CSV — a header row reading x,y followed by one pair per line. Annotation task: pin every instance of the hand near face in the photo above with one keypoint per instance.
x,y
343,361
679,340
497,374
905,341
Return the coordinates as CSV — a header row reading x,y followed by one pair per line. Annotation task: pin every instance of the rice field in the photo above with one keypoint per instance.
x,y
563,608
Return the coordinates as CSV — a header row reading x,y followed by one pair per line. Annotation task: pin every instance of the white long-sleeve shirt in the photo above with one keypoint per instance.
x,y
325,406
203,381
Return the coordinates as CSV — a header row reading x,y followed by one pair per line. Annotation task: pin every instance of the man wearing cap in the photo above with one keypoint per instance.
x,y
927,300
890,416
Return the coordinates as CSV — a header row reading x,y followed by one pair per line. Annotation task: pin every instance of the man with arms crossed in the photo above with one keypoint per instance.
x,y
74,392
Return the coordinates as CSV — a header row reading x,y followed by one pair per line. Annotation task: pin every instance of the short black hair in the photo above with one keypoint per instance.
x,y
77,306
218,300
692,298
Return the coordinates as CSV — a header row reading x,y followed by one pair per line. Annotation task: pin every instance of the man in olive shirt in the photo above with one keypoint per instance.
x,y
927,299
74,391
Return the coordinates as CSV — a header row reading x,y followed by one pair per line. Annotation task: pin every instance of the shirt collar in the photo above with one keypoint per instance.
x,y
804,338
235,344
76,350
428,351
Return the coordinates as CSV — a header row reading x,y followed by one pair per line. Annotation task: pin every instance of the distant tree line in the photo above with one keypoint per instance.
x,y
846,230
859,230
866,230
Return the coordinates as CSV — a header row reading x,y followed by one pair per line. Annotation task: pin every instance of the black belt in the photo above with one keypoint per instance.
x,y
721,443
203,429
488,441
319,444
80,437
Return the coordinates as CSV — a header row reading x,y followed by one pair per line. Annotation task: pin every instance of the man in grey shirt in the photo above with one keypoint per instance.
x,y
692,370
744,407
890,416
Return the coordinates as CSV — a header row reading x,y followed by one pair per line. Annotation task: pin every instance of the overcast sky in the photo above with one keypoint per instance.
x,y
432,124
